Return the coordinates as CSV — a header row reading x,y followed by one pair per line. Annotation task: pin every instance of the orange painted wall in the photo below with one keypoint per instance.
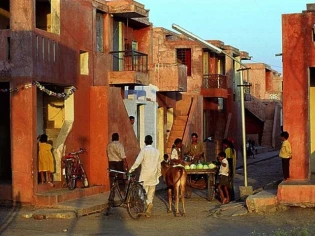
x,y
23,140
298,55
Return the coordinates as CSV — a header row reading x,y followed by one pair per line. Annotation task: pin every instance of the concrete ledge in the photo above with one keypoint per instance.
x,y
264,201
297,193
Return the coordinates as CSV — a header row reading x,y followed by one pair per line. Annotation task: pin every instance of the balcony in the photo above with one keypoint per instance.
x,y
127,10
169,77
214,85
129,68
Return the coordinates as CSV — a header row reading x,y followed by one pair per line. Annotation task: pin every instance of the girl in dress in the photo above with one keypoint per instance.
x,y
45,160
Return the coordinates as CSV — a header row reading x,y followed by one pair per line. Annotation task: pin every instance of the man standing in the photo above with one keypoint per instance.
x,y
116,156
150,161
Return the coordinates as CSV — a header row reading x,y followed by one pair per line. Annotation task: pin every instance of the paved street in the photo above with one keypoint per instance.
x,y
198,220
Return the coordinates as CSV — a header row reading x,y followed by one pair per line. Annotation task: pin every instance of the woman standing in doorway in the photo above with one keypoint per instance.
x,y
45,160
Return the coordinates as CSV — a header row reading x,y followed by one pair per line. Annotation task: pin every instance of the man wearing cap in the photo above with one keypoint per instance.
x,y
150,161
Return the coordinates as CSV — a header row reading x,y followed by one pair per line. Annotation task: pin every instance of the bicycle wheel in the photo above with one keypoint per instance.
x,y
70,180
136,201
84,179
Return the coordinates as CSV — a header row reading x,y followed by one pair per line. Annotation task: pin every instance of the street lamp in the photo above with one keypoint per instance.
x,y
241,85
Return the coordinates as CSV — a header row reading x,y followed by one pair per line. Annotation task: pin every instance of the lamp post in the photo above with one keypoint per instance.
x,y
241,85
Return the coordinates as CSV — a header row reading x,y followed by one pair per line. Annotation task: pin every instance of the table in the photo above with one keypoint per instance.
x,y
211,173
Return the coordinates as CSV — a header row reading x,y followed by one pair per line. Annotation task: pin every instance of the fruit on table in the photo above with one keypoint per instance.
x,y
187,167
193,166
205,166
200,166
212,166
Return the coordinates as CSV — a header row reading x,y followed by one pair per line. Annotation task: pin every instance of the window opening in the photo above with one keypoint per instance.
x,y
84,63
183,56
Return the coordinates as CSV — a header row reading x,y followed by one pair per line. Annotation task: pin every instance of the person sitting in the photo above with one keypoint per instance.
x,y
195,149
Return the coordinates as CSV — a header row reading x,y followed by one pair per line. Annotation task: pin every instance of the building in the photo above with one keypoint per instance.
x,y
64,66
263,105
298,56
211,104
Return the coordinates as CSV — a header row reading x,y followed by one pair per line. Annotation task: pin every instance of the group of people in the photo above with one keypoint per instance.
x,y
150,161
148,158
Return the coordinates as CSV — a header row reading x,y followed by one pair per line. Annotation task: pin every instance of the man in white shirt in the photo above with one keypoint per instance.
x,y
150,161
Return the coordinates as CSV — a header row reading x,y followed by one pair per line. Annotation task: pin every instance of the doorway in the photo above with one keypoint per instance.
x,y
5,136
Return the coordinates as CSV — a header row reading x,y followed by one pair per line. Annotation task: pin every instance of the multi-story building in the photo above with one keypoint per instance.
x,y
263,104
298,56
211,104
64,66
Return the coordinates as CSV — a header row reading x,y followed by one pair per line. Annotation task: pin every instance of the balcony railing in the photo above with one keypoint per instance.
x,y
214,81
130,61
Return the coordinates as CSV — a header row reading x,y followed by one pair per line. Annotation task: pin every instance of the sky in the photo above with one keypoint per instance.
x,y
253,26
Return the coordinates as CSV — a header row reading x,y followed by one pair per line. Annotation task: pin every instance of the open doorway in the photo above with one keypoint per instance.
x,y
5,14
5,138
48,15
50,119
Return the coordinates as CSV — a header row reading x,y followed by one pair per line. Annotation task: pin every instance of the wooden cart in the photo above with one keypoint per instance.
x,y
211,174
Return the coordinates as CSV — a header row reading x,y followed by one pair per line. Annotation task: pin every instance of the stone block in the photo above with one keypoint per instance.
x,y
245,191
264,201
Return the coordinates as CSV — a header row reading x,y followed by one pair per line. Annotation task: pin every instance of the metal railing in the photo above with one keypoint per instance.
x,y
129,61
214,81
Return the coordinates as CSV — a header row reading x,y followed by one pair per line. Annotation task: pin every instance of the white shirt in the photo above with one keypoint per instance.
x,y
174,154
224,170
150,161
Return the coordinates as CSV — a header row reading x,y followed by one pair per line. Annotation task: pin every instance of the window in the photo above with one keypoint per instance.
x,y
84,63
183,56
99,31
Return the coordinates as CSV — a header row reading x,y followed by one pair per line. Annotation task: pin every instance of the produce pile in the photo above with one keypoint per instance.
x,y
200,166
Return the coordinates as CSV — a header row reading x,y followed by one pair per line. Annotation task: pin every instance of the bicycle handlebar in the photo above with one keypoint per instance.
x,y
78,152
117,171
122,172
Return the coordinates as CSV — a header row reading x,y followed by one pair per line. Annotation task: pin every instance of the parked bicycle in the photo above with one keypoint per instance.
x,y
73,170
134,198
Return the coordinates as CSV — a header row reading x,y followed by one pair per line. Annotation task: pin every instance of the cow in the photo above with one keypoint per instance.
x,y
175,177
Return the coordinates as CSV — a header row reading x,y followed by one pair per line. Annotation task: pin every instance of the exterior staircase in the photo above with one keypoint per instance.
x,y
177,131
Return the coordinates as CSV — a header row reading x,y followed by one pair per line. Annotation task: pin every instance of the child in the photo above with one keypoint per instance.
x,y
166,158
285,154
45,160
224,178
176,155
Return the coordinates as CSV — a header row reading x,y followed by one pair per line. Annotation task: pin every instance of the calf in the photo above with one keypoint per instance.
x,y
175,177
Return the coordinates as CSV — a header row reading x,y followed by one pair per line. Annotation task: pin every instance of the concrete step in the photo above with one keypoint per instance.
x,y
180,120
264,201
178,128
59,195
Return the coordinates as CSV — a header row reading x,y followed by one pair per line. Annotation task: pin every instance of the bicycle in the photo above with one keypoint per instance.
x,y
73,170
135,195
